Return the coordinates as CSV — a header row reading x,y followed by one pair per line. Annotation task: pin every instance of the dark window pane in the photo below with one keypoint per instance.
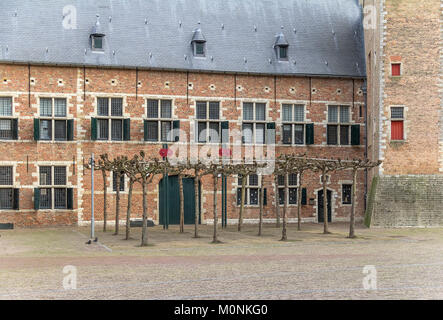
x,y
240,180
332,134
166,131
46,107
152,130
45,129
103,106
6,176
103,129
201,110
60,198
299,133
214,132
397,113
281,196
5,129
292,179
287,134
283,52
199,48
117,107
114,182
97,42
117,130
344,135
247,132
214,110
201,132
253,196
238,196
166,109
153,109
45,176
5,106
6,198
253,180
45,198
281,180
60,130
292,195
347,194
60,176
60,107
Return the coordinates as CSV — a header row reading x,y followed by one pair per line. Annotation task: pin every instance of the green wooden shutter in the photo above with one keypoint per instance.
x,y
265,197
176,130
36,129
36,198
70,129
127,129
270,133
16,199
304,195
145,129
225,132
70,198
93,129
15,129
309,133
355,135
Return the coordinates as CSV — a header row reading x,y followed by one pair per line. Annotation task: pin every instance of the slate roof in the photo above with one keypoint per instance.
x,y
325,36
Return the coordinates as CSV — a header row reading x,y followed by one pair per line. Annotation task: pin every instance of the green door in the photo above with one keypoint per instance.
x,y
171,198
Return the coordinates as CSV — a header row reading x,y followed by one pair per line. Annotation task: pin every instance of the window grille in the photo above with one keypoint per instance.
x,y
116,107
6,176
5,106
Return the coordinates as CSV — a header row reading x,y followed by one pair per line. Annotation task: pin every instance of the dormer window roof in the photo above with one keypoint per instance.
x,y
198,43
281,46
97,36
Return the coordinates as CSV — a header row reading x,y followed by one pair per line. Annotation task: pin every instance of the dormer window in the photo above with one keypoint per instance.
x,y
198,43
281,47
97,37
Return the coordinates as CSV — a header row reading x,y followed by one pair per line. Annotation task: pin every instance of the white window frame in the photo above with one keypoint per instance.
x,y
254,123
110,117
339,123
293,123
53,119
159,120
53,186
207,122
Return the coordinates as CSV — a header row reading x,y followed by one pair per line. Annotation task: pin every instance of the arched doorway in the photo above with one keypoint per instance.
x,y
320,205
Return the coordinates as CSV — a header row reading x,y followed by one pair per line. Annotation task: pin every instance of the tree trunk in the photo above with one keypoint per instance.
x,y
242,204
128,212
299,202
260,223
325,205
284,237
145,215
182,204
277,203
105,194
214,239
197,206
117,204
352,222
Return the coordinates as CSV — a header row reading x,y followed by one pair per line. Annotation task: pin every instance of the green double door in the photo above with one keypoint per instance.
x,y
170,201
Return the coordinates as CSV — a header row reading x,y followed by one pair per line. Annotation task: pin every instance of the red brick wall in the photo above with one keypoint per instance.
x,y
26,155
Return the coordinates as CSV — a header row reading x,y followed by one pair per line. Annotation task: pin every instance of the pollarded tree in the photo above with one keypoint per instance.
x,y
356,165
325,166
118,167
199,169
130,170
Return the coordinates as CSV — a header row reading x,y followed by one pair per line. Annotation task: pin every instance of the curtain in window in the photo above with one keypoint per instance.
x,y
260,133
344,114
60,107
287,112
46,107
166,109
247,132
103,106
248,113
299,113
333,114
260,113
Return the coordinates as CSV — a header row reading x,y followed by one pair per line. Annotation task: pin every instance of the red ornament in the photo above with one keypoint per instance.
x,y
224,152
163,153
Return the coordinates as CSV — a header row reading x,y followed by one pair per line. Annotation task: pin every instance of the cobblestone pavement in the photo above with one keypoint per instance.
x,y
408,264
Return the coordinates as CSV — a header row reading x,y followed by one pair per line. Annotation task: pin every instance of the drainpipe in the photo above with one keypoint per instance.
x,y
365,94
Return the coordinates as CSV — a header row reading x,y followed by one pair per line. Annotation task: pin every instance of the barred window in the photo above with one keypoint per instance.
x,y
251,190
6,130
110,121
208,124
5,106
159,124
51,126
6,198
114,182
254,123
338,130
6,176
293,124
397,113
53,191
347,193
292,189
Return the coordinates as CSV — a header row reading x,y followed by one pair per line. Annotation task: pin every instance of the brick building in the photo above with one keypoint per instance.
x,y
81,77
405,118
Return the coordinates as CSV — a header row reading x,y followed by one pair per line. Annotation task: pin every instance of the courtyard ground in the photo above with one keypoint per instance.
x,y
408,264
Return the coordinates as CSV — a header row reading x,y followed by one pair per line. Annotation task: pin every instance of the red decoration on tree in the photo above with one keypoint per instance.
x,y
224,152
164,152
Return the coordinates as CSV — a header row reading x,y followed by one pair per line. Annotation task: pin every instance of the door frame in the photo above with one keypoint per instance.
x,y
332,203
